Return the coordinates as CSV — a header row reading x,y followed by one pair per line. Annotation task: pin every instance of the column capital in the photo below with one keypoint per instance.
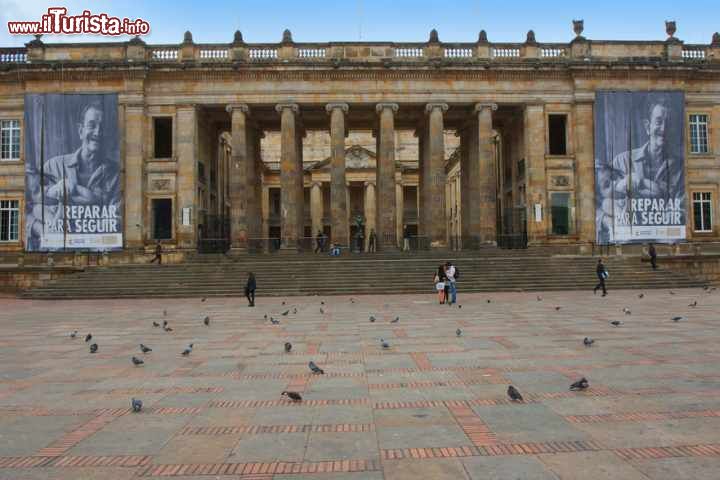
x,y
382,106
243,107
369,183
316,183
293,106
432,106
332,106
480,106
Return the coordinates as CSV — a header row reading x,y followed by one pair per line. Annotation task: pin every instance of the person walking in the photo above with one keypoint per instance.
x,y
250,289
158,253
450,274
653,256
406,239
440,283
372,240
602,274
320,242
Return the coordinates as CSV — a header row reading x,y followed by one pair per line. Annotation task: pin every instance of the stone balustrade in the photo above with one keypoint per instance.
x,y
351,52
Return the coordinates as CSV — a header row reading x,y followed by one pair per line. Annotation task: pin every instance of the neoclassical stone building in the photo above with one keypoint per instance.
x,y
464,144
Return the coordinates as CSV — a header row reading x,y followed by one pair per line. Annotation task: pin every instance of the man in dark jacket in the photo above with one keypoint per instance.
x,y
320,241
653,256
250,289
601,274
158,253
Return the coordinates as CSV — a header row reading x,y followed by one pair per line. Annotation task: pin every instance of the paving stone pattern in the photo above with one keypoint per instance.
x,y
432,406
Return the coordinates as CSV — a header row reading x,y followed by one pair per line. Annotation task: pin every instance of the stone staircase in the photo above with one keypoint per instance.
x,y
306,274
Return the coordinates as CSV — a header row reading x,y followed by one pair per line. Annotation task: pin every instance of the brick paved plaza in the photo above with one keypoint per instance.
x,y
432,406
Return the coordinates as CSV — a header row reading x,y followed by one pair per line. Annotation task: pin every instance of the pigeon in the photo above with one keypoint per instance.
x,y
617,323
203,299
581,384
294,310
677,319
156,324
396,320
488,300
283,302
145,349
186,352
384,344
693,304
73,334
136,405
322,303
458,332
315,368
558,308
288,347
352,300
94,348
164,313
284,314
459,306
641,295
514,394
539,298
137,361
274,322
626,311
206,321
587,341
294,396
322,312
265,317
372,319
165,323
168,329
672,293
88,337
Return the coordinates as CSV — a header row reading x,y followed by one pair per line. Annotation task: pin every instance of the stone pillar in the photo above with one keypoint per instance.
x,y
585,172
370,213
434,201
265,206
487,172
423,162
240,167
316,207
400,207
339,207
536,191
186,175
386,207
291,178
134,176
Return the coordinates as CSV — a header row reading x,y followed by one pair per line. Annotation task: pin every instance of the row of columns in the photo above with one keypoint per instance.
x,y
381,203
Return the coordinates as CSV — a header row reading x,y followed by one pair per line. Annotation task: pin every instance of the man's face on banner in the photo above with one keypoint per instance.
x,y
90,130
655,126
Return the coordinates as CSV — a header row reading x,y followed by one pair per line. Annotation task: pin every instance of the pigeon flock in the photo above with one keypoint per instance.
x,y
512,392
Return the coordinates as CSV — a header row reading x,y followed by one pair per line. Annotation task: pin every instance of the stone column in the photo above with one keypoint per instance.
x,y
134,176
487,172
291,178
423,162
265,207
316,207
535,172
339,207
370,213
386,207
585,172
434,190
240,167
400,207
186,175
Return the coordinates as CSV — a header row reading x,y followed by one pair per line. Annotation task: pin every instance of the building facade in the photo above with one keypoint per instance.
x,y
259,146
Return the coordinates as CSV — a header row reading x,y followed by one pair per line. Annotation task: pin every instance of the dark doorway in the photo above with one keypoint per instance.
x,y
162,218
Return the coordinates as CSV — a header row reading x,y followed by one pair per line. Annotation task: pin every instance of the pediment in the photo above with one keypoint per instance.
x,y
356,158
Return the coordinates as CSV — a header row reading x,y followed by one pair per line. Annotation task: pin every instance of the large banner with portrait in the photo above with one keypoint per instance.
x,y
639,167
72,172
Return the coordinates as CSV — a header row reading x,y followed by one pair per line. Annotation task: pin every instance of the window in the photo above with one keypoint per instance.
x,y
698,134
560,213
557,135
9,140
162,218
702,211
163,137
9,220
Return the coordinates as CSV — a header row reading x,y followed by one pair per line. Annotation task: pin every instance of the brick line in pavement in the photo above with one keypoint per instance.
x,y
260,429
